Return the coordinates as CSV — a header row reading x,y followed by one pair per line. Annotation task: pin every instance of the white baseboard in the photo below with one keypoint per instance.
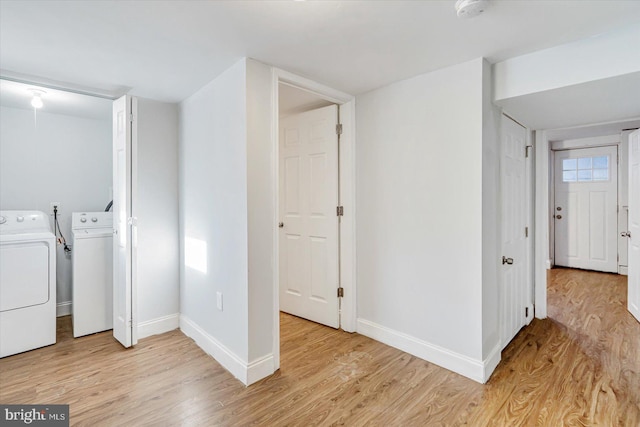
x,y
260,368
477,370
64,308
159,325
623,270
548,264
491,362
247,373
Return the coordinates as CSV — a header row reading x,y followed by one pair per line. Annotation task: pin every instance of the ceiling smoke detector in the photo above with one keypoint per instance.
x,y
470,8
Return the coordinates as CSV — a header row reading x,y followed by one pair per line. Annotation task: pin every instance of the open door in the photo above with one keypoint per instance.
x,y
123,221
516,304
309,227
634,225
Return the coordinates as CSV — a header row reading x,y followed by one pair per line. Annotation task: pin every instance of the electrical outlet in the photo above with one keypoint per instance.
x,y
52,206
219,300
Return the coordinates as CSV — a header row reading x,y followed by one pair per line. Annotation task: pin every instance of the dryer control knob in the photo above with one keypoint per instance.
x,y
20,219
83,219
3,219
94,219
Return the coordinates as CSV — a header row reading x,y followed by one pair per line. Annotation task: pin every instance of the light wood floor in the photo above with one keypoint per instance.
x,y
579,367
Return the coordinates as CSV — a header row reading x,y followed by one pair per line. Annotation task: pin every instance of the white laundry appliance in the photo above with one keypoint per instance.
x,y
92,272
27,282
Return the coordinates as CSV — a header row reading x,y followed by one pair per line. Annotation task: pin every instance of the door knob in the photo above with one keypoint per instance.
x,y
506,260
558,216
280,224
625,234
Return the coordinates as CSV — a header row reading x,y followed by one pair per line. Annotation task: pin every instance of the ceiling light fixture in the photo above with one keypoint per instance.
x,y
36,100
470,8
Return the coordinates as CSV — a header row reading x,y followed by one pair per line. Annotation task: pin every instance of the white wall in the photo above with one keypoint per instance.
x,y
213,210
420,175
63,159
491,208
261,188
227,195
595,58
157,213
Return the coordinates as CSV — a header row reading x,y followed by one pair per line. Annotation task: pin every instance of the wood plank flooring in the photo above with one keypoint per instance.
x,y
579,367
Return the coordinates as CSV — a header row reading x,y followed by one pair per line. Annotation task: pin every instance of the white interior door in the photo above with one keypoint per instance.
x,y
633,257
586,198
516,297
309,225
124,231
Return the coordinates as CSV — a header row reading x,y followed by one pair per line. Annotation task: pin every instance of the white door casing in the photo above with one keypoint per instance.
x,y
515,290
585,211
308,247
633,257
123,221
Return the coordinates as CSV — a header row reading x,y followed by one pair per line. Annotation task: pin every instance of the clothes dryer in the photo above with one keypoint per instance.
x,y
27,282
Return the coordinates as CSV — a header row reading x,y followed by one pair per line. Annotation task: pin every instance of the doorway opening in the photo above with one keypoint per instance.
x,y
315,204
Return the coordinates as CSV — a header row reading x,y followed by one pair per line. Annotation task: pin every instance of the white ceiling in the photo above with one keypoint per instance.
x,y
167,50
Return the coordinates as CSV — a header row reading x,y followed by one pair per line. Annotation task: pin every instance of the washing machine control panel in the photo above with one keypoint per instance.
x,y
23,222
86,220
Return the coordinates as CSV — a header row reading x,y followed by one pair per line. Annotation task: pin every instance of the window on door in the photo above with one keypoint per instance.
x,y
585,169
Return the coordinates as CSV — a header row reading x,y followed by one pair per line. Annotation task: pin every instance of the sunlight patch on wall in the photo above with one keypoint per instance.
x,y
195,254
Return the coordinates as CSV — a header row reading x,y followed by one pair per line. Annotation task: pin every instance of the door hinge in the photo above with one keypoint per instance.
x,y
340,292
131,117
526,312
526,150
339,129
340,211
526,232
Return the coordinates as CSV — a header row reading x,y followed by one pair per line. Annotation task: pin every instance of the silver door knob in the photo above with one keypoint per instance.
x,y
625,234
506,260
558,216
280,224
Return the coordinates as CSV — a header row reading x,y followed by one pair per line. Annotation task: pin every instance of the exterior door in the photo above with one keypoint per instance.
x,y
308,239
124,227
585,212
634,225
516,296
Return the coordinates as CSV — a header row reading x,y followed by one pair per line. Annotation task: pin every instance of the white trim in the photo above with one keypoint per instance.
x,y
542,261
477,370
64,308
260,368
597,141
348,238
230,361
159,325
491,362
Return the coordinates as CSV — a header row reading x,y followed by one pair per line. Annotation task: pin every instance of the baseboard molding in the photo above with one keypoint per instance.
x,y
491,362
159,325
260,368
247,373
64,308
477,370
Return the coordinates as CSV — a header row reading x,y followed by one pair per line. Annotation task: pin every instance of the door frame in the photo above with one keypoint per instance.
x,y
347,237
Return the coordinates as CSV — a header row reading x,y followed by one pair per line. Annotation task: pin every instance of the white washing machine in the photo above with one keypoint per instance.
x,y
27,282
92,272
